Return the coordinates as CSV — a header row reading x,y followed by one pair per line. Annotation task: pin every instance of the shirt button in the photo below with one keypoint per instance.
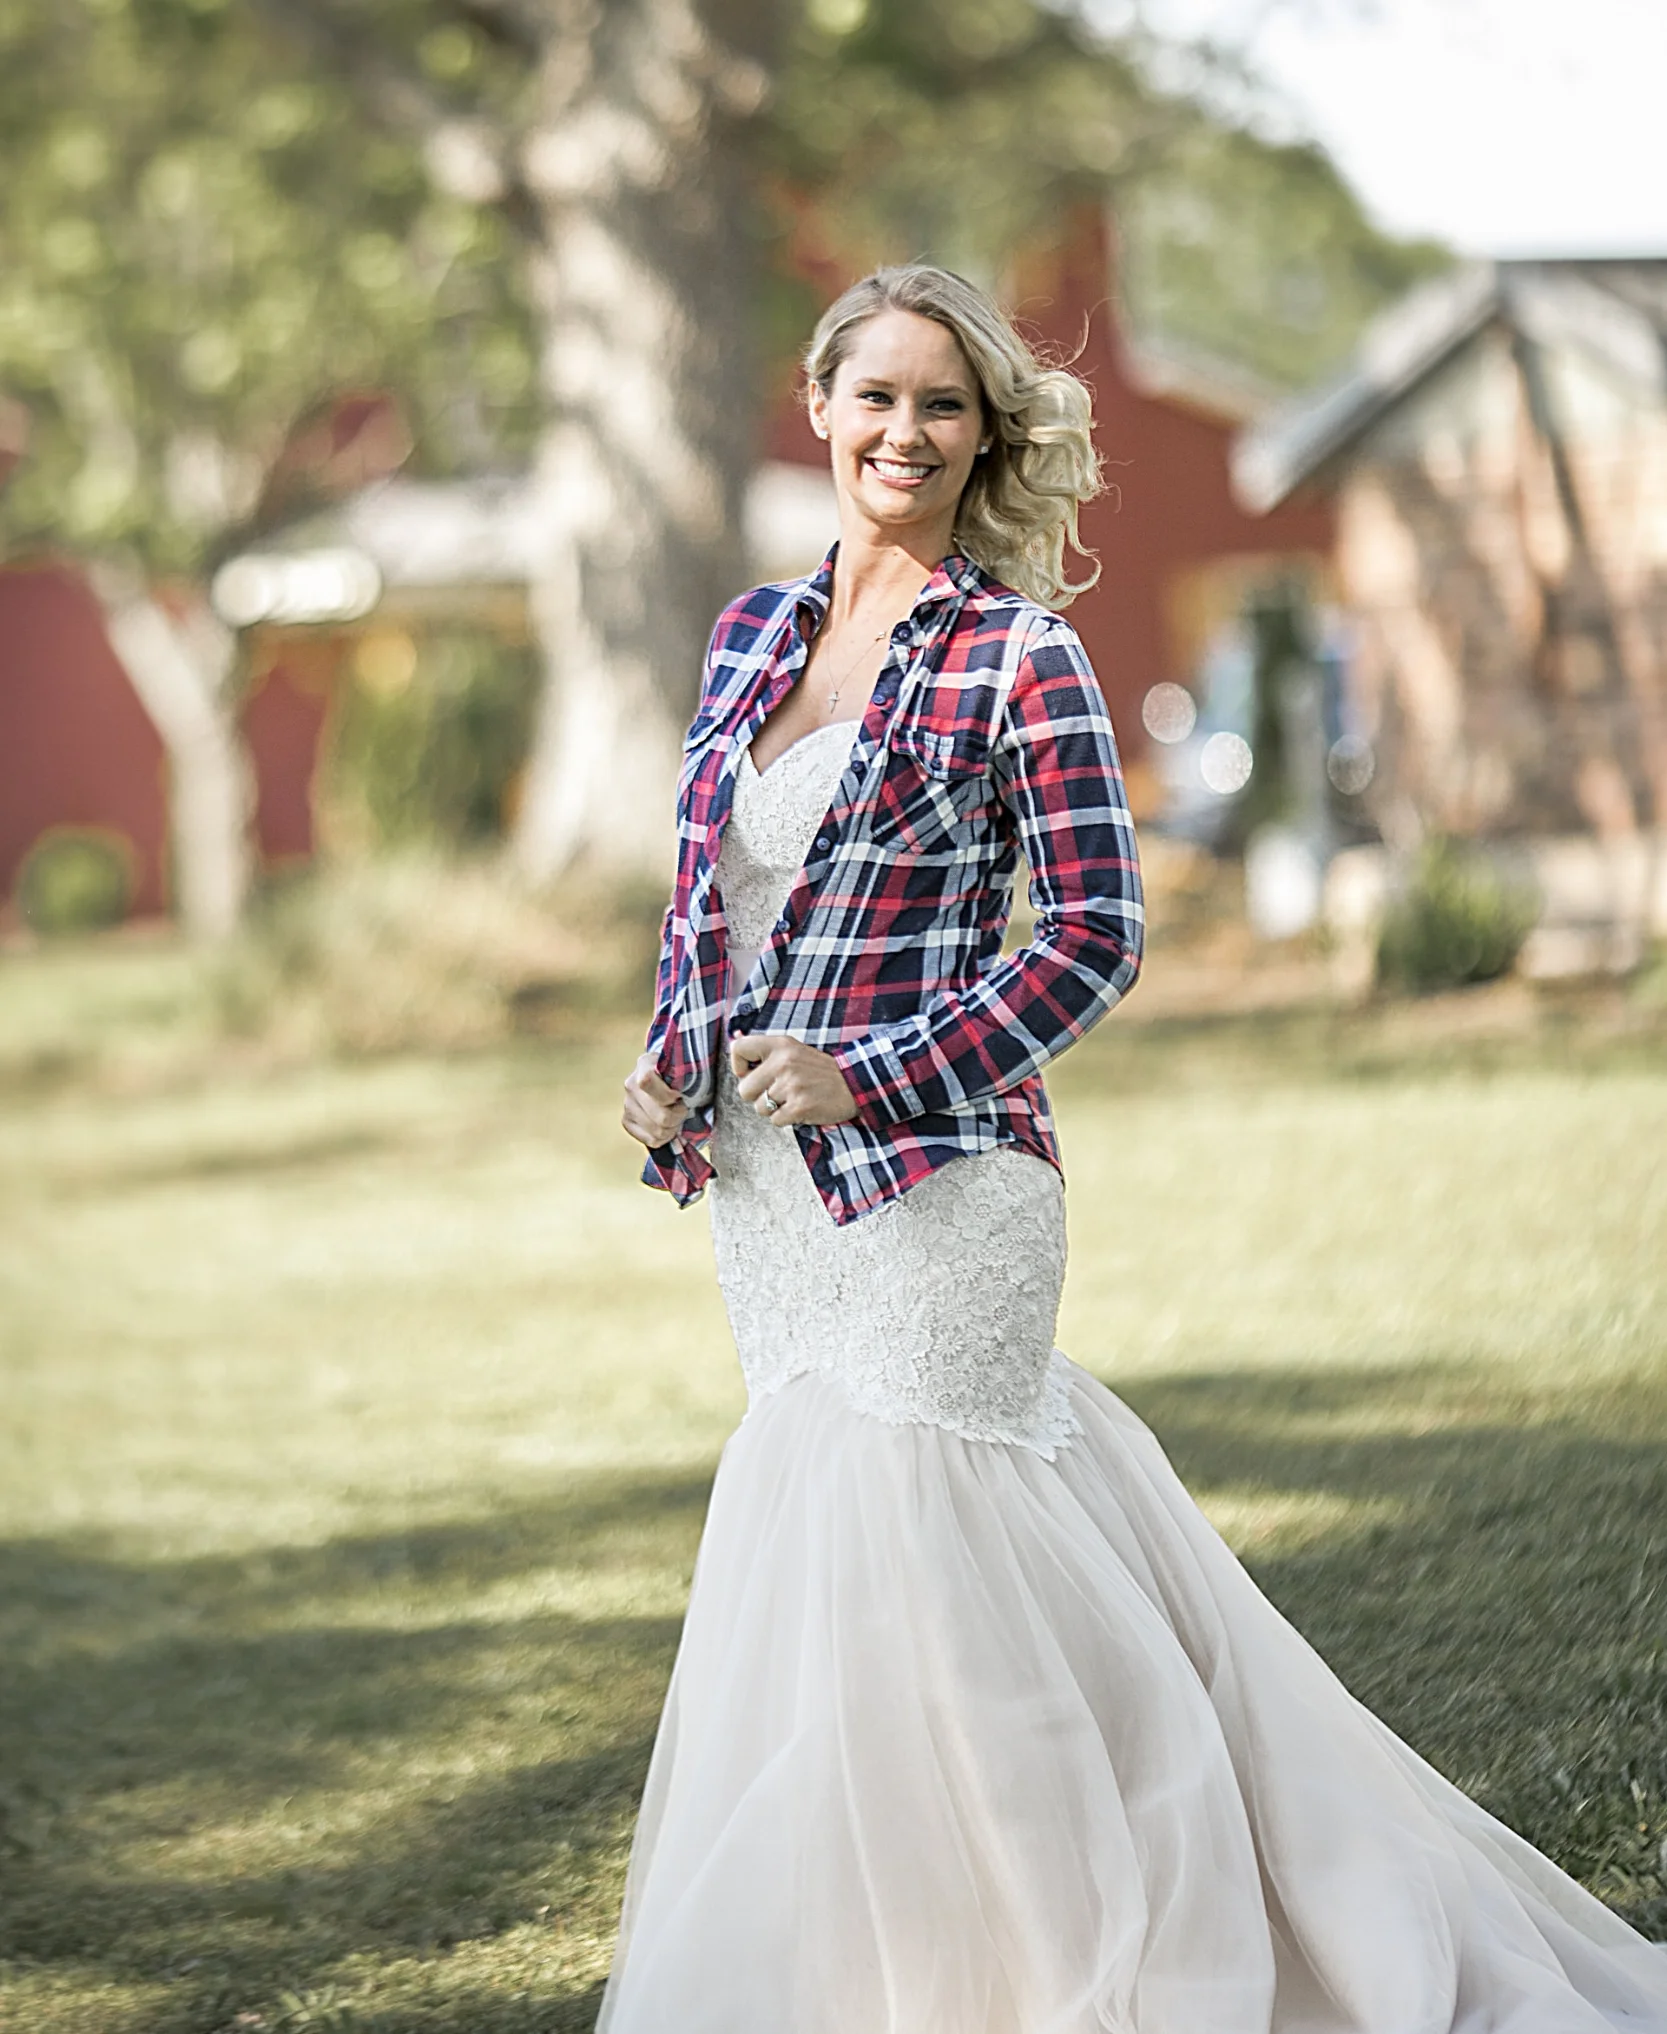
x,y
823,843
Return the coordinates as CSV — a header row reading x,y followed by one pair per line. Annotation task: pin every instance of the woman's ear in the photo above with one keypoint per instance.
x,y
818,406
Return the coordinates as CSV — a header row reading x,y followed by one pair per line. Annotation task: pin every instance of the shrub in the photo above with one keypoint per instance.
x,y
429,760
1460,919
412,950
75,880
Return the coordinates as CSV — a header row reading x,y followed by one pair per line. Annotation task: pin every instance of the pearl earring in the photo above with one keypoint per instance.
x,y
986,445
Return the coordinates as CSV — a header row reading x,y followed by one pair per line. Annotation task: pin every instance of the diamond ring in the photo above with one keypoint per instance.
x,y
771,1105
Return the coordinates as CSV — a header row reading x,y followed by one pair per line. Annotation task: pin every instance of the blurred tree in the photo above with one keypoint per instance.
x,y
199,241
617,140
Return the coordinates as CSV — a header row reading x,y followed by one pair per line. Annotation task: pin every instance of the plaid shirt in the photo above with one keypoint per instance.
x,y
986,735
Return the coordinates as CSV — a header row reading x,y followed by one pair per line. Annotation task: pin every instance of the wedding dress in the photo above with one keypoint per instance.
x,y
976,1726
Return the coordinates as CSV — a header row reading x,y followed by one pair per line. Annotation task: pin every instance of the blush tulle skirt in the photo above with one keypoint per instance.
x,y
963,1741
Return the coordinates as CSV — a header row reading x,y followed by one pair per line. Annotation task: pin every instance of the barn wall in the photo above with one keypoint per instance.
x,y
1169,513
76,747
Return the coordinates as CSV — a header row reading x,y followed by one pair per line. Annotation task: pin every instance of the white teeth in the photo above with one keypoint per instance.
x,y
894,469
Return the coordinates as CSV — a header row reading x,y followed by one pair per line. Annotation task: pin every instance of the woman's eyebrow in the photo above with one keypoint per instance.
x,y
943,388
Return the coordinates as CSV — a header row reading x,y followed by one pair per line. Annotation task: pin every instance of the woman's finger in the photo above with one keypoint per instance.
x,y
752,1076
651,1131
775,1092
645,1079
745,1053
762,1080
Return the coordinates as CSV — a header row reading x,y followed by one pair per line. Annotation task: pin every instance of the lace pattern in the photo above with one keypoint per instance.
x,y
939,1308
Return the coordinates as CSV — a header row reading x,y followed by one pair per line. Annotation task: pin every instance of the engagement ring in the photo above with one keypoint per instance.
x,y
771,1105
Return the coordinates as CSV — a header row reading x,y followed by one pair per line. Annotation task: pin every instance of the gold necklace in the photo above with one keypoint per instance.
x,y
839,685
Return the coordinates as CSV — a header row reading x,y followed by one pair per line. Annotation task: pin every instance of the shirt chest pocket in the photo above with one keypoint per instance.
x,y
936,780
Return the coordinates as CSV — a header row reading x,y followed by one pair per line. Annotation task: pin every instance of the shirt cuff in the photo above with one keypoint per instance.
x,y
873,1070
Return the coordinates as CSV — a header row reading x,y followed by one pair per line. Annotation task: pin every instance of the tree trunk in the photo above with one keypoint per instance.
x,y
644,283
181,669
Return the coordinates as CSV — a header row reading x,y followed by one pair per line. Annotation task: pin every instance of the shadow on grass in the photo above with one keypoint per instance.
x,y
195,1164
1600,1031
1504,1607
232,1773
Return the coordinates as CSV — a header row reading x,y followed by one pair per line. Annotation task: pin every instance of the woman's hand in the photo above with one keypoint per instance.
x,y
653,1113
804,1084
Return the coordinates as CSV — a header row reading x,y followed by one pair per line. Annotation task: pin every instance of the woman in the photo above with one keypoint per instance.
x,y
976,1726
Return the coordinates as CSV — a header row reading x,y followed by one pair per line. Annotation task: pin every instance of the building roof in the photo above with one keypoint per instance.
x,y
1170,370
1614,309
481,530
414,537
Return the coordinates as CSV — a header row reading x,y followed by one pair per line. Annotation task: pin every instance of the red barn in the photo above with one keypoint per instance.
x,y
76,747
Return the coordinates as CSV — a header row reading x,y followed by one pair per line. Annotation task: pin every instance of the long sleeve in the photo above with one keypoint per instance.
x,y
660,1023
1055,761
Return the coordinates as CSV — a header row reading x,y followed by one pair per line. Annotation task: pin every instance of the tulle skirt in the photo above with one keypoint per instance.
x,y
963,1741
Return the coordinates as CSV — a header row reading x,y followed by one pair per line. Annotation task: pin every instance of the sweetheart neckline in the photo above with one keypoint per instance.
x,y
792,747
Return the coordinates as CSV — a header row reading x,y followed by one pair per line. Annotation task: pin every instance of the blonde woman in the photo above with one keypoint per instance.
x,y
976,1726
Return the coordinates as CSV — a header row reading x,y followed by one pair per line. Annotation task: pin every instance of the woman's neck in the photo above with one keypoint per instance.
x,y
882,574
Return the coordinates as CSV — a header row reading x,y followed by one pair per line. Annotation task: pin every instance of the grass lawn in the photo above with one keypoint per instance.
x,y
358,1422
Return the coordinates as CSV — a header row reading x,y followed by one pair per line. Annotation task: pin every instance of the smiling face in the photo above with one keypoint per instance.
x,y
904,421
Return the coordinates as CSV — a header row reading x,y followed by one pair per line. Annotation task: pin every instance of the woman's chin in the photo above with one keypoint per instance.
x,y
896,509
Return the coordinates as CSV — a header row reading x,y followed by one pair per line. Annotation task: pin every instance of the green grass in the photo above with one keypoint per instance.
x,y
358,1422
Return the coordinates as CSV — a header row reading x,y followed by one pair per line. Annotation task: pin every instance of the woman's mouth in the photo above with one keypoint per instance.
x,y
900,472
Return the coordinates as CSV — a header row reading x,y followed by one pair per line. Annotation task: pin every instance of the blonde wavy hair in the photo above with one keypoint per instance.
x,y
1018,511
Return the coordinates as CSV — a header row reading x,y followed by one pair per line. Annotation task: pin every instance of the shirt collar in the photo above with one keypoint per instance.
x,y
954,578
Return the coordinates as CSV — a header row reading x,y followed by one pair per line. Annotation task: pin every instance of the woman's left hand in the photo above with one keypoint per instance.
x,y
805,1085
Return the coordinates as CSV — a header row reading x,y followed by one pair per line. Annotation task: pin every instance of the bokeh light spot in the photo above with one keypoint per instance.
x,y
1226,764
1169,713
1350,764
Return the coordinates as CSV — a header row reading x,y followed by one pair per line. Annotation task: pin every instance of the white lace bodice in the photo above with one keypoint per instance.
x,y
772,825
939,1307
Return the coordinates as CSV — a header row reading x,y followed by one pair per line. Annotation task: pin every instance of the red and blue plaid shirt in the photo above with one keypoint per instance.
x,y
986,736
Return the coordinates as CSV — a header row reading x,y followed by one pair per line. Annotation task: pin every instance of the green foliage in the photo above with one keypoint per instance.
x,y
201,238
1460,919
1258,253
75,880
1649,984
431,757
956,129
